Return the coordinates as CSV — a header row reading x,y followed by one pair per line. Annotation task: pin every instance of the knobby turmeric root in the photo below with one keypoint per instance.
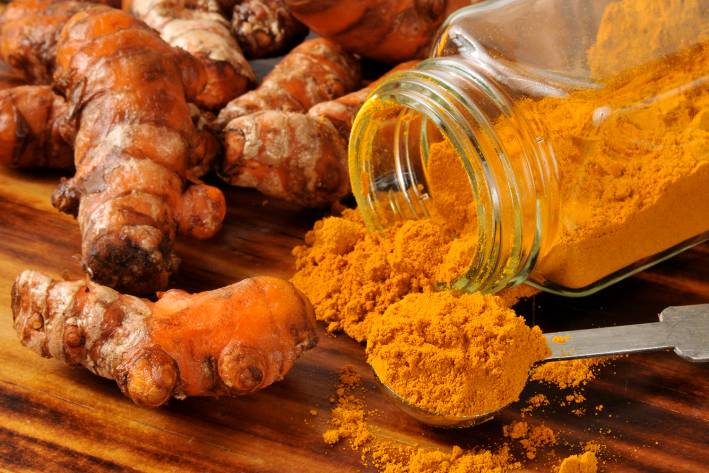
x,y
136,149
315,71
341,112
385,30
287,155
29,31
230,341
297,157
198,27
265,28
35,128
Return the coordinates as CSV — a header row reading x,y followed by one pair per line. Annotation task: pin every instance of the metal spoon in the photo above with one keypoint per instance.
x,y
684,329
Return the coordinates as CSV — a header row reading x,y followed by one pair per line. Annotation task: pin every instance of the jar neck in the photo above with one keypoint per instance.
x,y
511,170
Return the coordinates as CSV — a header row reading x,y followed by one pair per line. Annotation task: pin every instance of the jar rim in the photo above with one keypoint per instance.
x,y
505,252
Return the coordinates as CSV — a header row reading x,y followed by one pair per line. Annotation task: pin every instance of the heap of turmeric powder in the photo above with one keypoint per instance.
x,y
352,275
570,373
465,355
583,463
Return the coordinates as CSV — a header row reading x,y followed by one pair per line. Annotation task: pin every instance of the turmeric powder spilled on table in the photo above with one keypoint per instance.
x,y
349,423
464,355
530,438
584,463
352,275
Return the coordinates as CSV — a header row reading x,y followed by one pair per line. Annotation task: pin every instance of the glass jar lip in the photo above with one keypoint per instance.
x,y
389,95
504,196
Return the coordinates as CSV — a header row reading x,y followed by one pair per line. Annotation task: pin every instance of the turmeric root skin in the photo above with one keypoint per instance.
x,y
35,129
138,145
291,156
265,28
294,156
315,71
385,30
10,77
29,31
230,341
199,28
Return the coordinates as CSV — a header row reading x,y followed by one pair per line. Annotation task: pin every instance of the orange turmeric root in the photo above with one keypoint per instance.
x,y
385,30
34,53
315,71
136,149
230,341
198,27
265,28
286,155
341,112
297,157
35,128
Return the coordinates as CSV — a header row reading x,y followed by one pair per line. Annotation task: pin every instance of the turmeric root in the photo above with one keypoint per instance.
x,y
298,157
33,53
198,27
341,112
136,146
230,341
265,28
35,128
287,155
315,71
385,30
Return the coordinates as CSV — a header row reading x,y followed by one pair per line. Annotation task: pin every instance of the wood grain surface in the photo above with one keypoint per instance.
x,y
56,418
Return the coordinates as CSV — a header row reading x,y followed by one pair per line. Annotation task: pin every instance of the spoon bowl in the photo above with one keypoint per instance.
x,y
434,419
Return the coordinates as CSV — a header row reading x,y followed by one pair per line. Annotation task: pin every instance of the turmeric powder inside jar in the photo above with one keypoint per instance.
x,y
633,183
464,355
632,154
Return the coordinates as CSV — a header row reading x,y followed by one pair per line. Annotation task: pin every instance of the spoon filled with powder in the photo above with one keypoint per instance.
x,y
455,360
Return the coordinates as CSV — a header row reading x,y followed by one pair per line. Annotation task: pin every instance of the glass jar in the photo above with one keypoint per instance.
x,y
582,130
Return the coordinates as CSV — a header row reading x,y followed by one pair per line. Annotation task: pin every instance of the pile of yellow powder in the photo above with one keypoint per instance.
x,y
529,437
352,275
569,374
461,355
584,463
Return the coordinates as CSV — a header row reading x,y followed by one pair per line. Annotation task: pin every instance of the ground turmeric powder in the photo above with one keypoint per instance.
x,y
570,373
349,423
352,275
530,438
632,153
584,463
462,355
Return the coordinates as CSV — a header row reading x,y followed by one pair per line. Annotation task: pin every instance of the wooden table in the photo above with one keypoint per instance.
x,y
56,418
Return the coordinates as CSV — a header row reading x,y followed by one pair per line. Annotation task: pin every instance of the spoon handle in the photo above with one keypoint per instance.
x,y
684,328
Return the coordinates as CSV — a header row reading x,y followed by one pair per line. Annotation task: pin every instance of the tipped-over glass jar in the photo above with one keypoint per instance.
x,y
571,137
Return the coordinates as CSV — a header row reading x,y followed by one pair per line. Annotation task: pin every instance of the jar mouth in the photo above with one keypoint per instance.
x,y
389,158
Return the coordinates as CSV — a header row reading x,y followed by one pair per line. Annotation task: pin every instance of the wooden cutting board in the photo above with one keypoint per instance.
x,y
655,415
